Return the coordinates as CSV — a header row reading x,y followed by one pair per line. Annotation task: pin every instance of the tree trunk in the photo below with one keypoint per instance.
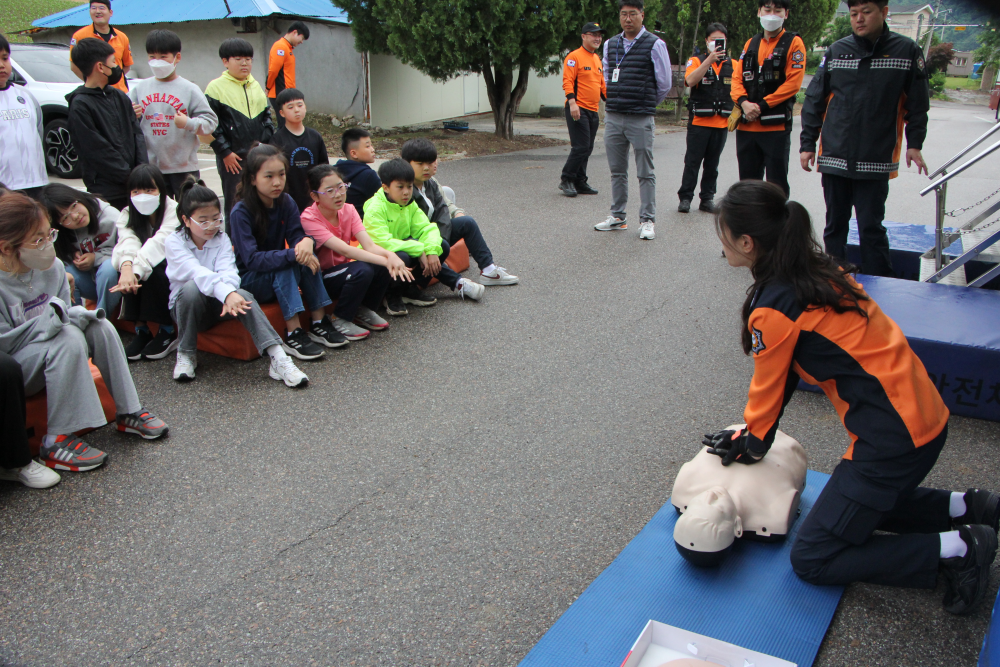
x,y
680,71
504,100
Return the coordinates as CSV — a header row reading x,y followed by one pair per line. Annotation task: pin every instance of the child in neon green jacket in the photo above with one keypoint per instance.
x,y
396,223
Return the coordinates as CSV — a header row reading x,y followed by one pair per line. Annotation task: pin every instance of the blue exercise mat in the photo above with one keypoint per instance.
x,y
990,655
753,600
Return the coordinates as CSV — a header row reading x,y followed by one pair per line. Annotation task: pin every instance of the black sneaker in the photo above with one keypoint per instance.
x,y
982,507
567,188
967,577
162,344
394,305
139,342
299,345
684,206
324,334
414,295
585,189
707,205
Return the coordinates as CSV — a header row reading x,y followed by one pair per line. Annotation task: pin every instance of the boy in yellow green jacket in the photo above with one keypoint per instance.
x,y
396,223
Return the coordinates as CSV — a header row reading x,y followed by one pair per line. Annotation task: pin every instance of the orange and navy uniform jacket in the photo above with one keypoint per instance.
x,y
863,96
583,79
118,41
794,74
718,121
878,386
280,68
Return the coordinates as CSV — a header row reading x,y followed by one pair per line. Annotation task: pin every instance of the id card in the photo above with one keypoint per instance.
x,y
614,75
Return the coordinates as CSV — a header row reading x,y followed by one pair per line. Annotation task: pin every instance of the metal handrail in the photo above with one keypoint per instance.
x,y
940,170
947,177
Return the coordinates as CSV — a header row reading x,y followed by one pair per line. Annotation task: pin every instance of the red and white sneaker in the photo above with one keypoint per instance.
x,y
68,452
142,423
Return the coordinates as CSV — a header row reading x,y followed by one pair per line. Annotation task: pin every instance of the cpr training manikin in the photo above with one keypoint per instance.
x,y
721,503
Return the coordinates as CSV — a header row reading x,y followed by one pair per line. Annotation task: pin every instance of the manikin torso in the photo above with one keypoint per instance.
x,y
766,494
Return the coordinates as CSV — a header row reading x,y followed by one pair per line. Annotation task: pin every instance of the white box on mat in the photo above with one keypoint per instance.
x,y
660,643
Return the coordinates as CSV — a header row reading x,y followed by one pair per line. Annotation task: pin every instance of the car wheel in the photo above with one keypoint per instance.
x,y
60,154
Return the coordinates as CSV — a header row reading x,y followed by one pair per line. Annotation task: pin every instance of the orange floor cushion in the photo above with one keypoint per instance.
x,y
37,409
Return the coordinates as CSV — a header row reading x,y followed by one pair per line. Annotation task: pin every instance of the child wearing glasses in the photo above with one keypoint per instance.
x,y
52,341
243,112
357,277
205,287
87,238
303,146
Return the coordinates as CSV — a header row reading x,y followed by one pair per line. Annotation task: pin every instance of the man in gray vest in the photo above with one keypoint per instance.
x,y
637,70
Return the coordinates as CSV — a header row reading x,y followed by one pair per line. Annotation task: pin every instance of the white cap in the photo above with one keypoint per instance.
x,y
710,525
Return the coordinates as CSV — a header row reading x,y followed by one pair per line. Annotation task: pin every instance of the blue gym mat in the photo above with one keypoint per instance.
x,y
753,600
990,655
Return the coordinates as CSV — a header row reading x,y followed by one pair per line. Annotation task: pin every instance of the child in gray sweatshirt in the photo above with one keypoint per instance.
x,y
172,111
52,342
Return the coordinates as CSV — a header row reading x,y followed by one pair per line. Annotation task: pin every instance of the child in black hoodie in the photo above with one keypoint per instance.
x,y
356,144
103,123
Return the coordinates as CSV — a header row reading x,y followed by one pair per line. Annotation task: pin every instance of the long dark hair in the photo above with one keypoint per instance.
x,y
786,250
246,192
143,177
194,195
57,198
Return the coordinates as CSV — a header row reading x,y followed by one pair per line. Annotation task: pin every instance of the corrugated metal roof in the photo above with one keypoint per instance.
x,y
131,12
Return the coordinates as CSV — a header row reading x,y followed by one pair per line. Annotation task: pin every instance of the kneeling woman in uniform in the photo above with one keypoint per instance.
x,y
805,317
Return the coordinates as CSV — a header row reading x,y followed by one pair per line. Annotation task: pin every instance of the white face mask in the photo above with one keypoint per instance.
x,y
146,204
40,259
161,68
771,23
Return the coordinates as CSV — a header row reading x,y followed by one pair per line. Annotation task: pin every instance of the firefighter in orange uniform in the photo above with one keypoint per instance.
x,y
583,83
281,64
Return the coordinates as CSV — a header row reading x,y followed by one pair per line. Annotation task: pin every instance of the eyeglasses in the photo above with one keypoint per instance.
x,y
208,225
74,212
45,240
335,190
629,15
243,61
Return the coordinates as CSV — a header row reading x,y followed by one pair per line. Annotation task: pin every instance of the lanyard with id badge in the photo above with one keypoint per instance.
x,y
618,61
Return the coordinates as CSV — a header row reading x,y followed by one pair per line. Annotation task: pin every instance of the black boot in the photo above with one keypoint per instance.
x,y
567,188
684,206
968,576
585,189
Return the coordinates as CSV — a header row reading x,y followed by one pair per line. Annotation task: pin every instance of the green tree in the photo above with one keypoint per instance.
x,y
989,48
839,29
501,39
809,18
939,56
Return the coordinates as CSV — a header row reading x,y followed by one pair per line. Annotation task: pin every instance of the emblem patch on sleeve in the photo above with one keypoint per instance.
x,y
281,52
798,57
571,63
920,63
757,340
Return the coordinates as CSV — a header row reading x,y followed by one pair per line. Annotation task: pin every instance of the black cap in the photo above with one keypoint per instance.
x,y
593,27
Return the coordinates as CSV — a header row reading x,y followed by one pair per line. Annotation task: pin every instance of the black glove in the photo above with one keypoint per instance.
x,y
730,446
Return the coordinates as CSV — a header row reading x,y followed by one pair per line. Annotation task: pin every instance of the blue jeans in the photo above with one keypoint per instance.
x,y
94,285
284,285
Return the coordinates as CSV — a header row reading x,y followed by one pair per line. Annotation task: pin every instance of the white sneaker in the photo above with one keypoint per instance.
x,y
498,277
184,368
611,224
467,288
34,475
284,369
646,231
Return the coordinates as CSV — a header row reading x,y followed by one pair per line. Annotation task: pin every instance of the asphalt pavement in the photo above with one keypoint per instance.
x,y
440,494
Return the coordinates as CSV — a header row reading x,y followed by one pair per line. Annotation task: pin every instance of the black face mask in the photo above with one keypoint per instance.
x,y
115,76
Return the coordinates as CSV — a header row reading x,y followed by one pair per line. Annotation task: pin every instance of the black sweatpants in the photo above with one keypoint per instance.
x,y
229,183
446,276
764,152
582,134
704,145
14,449
176,181
836,545
355,284
149,303
867,197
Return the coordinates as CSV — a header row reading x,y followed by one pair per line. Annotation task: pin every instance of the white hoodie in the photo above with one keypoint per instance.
x,y
144,256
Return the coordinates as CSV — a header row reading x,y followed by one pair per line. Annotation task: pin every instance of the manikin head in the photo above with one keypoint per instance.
x,y
705,533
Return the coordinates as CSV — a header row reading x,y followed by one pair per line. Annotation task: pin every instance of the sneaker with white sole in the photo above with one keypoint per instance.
x,y
34,475
369,319
349,330
68,452
326,334
611,224
646,231
184,367
498,276
163,343
394,305
284,369
143,423
300,345
467,288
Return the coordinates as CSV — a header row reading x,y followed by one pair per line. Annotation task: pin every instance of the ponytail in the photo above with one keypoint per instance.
x,y
194,195
786,251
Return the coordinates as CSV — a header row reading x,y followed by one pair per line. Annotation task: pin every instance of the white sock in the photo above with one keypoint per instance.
x,y
956,506
276,352
952,545
49,440
489,270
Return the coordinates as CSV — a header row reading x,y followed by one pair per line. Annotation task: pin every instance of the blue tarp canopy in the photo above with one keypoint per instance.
x,y
130,12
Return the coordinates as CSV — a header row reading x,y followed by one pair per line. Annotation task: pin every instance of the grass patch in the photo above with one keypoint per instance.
x,y
18,14
962,83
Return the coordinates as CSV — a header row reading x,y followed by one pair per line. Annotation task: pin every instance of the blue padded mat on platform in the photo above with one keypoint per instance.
x,y
753,600
990,655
